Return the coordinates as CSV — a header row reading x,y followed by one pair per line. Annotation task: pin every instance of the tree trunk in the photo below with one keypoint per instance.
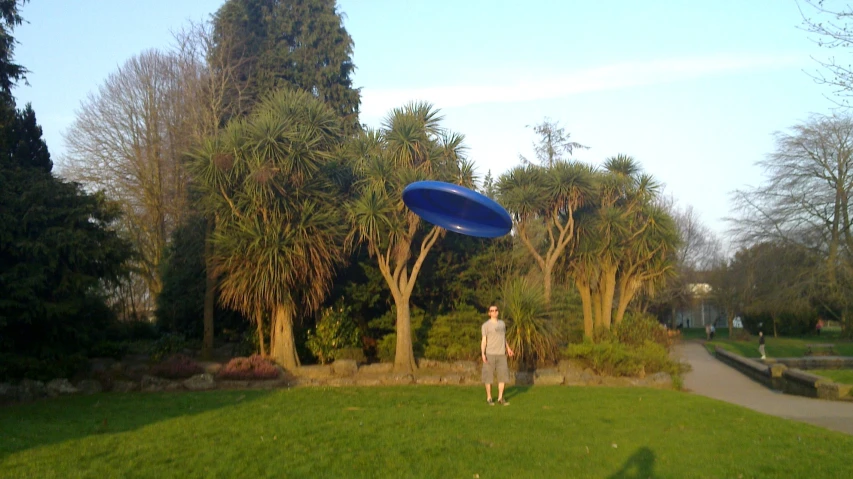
x,y
404,358
209,293
547,273
626,294
730,319
282,344
609,283
775,334
259,321
596,309
586,302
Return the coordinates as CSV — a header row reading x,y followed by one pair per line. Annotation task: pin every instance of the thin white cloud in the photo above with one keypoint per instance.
x,y
377,102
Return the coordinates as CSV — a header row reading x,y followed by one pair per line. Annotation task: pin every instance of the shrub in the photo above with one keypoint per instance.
x,y
530,332
611,358
109,349
335,330
455,336
253,367
635,329
351,353
168,344
386,348
178,366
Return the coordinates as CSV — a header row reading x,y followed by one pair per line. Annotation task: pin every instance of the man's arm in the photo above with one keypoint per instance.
x,y
483,349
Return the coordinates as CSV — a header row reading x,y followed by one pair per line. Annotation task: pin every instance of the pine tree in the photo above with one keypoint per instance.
x,y
56,247
289,43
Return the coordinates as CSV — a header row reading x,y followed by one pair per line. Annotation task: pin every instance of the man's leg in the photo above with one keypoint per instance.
x,y
489,391
500,391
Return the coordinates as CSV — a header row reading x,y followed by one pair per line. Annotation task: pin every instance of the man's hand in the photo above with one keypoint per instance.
x,y
509,352
484,358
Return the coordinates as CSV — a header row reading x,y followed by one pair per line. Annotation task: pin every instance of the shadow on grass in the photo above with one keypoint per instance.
x,y
640,465
513,391
42,423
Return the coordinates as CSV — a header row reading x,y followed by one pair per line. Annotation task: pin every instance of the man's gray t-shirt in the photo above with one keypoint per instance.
x,y
495,334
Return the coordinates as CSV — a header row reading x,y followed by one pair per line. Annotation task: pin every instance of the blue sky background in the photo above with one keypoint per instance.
x,y
693,89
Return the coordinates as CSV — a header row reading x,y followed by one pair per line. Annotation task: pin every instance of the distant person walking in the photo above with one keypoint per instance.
x,y
761,344
494,351
819,326
707,332
713,331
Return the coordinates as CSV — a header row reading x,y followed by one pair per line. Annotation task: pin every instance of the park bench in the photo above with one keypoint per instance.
x,y
820,350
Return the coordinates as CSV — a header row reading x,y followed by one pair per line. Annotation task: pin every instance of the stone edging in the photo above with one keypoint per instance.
x,y
340,373
788,380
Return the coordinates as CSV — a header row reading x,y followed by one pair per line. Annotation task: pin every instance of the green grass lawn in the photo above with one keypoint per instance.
x,y
844,376
411,431
780,347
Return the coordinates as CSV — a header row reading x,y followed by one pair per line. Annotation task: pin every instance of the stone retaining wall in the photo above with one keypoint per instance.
x,y
340,373
780,377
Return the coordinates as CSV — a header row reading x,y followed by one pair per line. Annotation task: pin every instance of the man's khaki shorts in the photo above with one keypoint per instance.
x,y
495,362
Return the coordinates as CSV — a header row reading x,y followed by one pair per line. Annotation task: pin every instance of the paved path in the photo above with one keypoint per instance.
x,y
712,378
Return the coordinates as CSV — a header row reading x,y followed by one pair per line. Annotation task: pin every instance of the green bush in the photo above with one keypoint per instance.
x,y
16,367
168,344
386,348
455,336
636,328
109,349
334,331
611,358
355,353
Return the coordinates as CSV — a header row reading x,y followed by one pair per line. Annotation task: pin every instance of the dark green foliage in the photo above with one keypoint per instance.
x,y
109,349
168,344
56,248
786,323
178,366
180,305
386,347
462,270
10,72
288,43
455,335
335,330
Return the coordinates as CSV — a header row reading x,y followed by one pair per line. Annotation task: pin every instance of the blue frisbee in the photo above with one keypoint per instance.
x,y
457,209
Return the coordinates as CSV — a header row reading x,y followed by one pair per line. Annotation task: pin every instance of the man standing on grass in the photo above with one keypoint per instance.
x,y
494,350
761,344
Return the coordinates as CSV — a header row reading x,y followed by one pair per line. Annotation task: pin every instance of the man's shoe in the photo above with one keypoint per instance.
x,y
491,403
503,402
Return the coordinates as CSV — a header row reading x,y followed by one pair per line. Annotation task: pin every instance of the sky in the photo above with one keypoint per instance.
x,y
694,90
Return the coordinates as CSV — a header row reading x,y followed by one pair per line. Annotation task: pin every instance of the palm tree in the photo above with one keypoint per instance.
x,y
626,243
549,195
410,146
279,231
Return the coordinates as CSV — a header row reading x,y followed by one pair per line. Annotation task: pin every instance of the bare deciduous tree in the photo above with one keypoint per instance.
x,y
805,202
127,140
